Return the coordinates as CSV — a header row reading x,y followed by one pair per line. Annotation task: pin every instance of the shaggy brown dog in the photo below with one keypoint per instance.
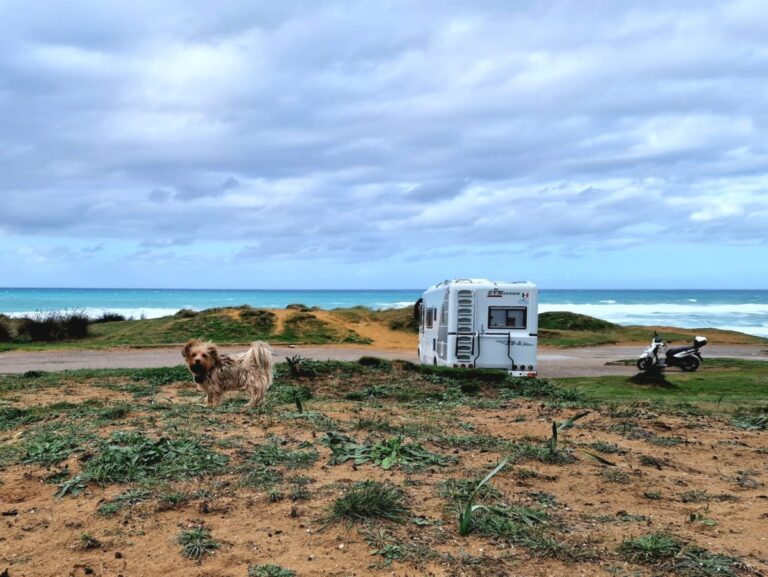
x,y
215,374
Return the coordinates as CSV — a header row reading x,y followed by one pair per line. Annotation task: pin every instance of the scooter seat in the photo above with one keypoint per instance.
x,y
674,350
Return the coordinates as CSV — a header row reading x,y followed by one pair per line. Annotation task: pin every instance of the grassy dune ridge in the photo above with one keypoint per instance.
x,y
298,324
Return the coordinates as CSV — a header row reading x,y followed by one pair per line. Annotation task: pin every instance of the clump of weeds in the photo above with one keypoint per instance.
x,y
197,543
385,454
670,554
616,476
88,541
126,499
274,453
269,571
368,501
132,457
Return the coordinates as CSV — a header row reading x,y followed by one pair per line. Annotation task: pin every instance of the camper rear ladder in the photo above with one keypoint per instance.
x,y
465,321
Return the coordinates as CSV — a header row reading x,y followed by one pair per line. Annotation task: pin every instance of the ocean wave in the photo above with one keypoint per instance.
x,y
394,305
746,318
94,313
600,310
757,331
609,302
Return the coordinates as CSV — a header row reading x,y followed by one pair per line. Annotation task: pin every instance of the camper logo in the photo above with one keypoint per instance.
x,y
495,293
524,298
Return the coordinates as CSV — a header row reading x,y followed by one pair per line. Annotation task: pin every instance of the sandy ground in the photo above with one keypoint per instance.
x,y
706,481
585,361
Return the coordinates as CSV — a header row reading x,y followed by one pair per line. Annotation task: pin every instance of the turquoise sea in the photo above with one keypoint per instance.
x,y
741,310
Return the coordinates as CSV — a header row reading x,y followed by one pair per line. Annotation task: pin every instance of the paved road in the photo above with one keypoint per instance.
x,y
587,361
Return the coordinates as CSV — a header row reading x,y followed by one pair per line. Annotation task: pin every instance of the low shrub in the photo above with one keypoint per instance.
x,y
109,317
185,314
5,330
375,363
54,326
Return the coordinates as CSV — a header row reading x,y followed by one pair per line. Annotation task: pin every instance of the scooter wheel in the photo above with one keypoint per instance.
x,y
644,364
689,364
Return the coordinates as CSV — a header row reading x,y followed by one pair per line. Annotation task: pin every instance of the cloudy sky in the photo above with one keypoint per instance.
x,y
580,144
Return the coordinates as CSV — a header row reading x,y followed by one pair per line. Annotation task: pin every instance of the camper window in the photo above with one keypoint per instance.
x,y
430,317
507,317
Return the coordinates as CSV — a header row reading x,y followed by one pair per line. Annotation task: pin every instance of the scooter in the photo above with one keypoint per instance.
x,y
688,358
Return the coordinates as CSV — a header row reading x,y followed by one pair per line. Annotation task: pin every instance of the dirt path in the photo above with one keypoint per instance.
x,y
587,361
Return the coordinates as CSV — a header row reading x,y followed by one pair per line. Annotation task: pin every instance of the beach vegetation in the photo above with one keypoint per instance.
x,y
53,326
670,554
197,543
300,324
389,453
6,334
108,317
275,453
134,455
127,457
368,500
466,515
270,571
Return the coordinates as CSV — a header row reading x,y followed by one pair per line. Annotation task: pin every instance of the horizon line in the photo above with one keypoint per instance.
x,y
355,289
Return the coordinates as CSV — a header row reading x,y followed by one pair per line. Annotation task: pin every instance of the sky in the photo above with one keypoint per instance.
x,y
344,144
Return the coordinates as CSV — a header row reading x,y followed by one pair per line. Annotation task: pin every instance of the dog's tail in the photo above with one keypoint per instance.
x,y
262,355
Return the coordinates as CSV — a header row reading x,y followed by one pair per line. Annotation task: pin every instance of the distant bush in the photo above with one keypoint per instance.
x,y
402,319
5,329
109,317
298,307
54,326
375,363
186,314
76,325
261,319
565,321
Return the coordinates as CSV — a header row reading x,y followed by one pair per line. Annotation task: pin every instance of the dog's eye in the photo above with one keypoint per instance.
x,y
205,356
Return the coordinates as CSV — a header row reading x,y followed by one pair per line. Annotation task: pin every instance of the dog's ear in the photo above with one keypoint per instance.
x,y
188,347
213,352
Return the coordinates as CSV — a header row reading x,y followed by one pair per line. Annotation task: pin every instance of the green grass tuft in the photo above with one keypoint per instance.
x,y
269,571
196,543
368,501
671,555
273,453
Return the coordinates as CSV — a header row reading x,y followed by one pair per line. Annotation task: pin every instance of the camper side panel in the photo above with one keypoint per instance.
x,y
429,326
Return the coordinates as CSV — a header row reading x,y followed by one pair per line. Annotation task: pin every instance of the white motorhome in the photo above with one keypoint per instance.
x,y
480,323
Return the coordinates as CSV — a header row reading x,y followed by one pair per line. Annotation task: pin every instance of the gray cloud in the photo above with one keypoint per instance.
x,y
358,130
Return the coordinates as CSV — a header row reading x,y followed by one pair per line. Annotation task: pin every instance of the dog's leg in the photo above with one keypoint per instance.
x,y
256,396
